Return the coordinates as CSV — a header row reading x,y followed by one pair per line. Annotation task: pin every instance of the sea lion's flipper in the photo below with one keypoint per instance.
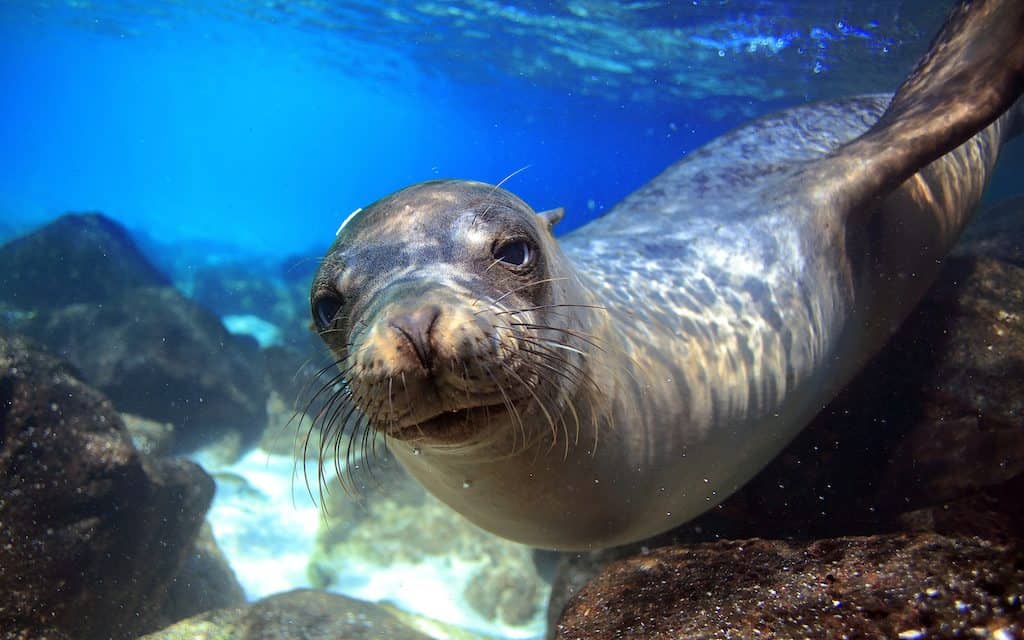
x,y
973,72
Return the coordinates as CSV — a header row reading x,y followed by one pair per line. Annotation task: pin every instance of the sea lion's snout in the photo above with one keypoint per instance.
x,y
426,360
415,328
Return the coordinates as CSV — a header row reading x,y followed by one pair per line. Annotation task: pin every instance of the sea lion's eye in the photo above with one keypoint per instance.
x,y
325,310
516,253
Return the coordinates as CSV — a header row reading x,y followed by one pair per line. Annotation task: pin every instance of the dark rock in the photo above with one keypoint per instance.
x,y
91,532
997,513
205,582
996,232
77,258
315,614
907,586
311,615
81,287
157,354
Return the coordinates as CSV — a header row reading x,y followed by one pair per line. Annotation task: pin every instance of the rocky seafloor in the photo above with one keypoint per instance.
x,y
147,483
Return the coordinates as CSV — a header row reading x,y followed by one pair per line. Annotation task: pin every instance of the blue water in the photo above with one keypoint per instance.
x,y
215,131
260,127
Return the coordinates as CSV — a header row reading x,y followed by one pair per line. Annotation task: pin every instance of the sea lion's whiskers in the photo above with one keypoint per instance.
x,y
331,431
596,415
317,425
509,406
547,414
543,307
516,290
559,345
338,377
559,399
300,415
298,262
495,188
360,425
316,422
313,422
589,338
328,331
391,405
545,350
368,450
465,387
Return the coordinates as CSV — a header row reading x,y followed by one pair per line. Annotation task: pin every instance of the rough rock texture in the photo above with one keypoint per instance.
x,y
310,615
81,287
77,258
91,532
898,586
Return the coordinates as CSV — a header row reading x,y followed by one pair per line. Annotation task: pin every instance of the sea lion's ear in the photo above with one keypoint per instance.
x,y
551,217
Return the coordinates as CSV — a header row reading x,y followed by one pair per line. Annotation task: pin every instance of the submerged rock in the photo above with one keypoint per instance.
x,y
204,582
311,615
80,257
895,586
81,287
157,354
91,532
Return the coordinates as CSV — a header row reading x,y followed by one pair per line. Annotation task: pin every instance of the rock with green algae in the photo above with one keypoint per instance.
x,y
311,615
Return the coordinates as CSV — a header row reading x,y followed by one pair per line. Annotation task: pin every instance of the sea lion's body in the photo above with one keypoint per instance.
x,y
726,326
702,322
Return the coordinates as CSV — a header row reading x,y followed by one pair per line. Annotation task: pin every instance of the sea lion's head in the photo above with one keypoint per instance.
x,y
448,311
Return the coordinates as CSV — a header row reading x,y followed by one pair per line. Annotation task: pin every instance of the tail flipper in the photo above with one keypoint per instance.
x,y
973,72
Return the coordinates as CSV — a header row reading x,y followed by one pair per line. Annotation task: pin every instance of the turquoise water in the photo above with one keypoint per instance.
x,y
262,124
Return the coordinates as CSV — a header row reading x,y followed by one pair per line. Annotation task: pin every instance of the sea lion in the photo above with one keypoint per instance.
x,y
604,388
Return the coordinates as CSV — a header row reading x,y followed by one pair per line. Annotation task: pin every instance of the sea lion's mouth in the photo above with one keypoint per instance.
x,y
450,426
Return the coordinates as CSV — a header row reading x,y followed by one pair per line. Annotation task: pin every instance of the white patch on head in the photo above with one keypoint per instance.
x,y
469,232
346,221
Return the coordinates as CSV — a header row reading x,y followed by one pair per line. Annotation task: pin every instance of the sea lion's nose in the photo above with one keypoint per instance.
x,y
415,327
